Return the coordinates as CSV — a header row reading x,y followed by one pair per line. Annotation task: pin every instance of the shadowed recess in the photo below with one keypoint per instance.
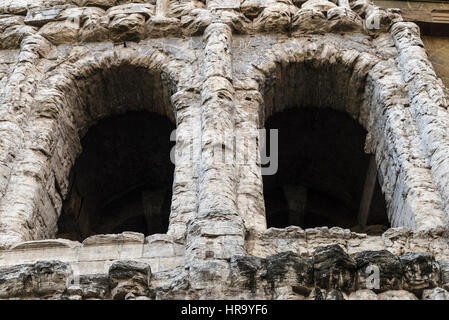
x,y
122,181
322,172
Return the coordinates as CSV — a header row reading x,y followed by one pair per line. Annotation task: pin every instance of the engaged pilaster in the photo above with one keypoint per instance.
x,y
187,155
250,201
216,232
428,102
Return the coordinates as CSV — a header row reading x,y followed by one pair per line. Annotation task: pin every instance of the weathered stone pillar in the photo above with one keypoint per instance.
x,y
428,102
187,154
216,232
20,185
250,201
403,168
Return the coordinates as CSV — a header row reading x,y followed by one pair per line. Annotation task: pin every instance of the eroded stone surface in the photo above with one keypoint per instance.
x,y
397,295
444,267
388,266
129,279
212,68
363,294
286,275
92,286
421,271
334,268
44,279
435,294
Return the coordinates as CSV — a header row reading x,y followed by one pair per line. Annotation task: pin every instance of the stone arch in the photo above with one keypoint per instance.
x,y
62,112
369,89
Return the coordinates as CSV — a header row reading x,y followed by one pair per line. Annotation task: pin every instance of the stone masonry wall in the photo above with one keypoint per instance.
x,y
327,273
218,69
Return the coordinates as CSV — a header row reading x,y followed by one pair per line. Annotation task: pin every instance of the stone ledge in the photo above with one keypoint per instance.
x,y
304,242
161,251
125,237
330,273
50,243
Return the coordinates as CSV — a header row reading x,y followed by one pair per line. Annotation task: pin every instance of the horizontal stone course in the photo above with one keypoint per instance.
x,y
96,253
210,66
331,274
398,241
89,21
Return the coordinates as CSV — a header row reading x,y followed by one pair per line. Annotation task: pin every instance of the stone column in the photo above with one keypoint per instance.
x,y
404,173
187,155
428,102
250,200
18,183
216,232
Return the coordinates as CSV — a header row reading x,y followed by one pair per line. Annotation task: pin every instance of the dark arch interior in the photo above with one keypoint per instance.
x,y
322,172
122,181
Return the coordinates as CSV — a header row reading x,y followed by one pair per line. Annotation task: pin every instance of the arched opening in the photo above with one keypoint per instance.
x,y
318,101
122,181
120,176
74,97
324,176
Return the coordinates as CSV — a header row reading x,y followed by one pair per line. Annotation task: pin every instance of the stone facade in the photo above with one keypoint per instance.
x,y
214,68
